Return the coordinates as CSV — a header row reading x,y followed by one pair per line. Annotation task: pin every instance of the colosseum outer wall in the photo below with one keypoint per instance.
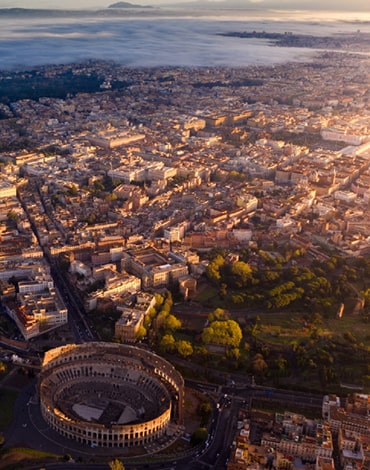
x,y
118,368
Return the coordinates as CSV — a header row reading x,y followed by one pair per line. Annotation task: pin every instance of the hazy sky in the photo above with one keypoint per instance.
x,y
55,3
80,4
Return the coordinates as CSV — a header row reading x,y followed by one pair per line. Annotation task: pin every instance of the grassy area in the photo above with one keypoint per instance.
x,y
274,407
17,458
282,328
104,321
354,324
337,343
206,295
7,400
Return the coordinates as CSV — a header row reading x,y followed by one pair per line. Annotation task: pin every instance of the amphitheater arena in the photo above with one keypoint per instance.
x,y
110,395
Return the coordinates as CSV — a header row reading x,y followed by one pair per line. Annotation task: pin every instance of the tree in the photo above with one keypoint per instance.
x,y
281,365
241,273
348,336
283,294
223,290
236,299
169,299
111,197
213,268
259,364
141,333
270,275
159,299
294,345
98,186
116,464
199,436
149,317
201,351
234,353
184,348
172,323
160,320
256,327
167,343
11,215
13,280
366,295
227,333
204,410
320,286
218,314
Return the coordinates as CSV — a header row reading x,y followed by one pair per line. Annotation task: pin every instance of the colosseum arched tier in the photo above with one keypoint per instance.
x,y
110,395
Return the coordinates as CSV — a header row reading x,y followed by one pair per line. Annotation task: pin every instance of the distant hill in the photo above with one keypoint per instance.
x,y
128,5
60,13
39,12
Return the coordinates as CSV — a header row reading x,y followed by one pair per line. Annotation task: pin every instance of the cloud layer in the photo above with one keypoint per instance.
x,y
150,42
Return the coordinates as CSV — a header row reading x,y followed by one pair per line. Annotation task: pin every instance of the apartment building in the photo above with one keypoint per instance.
x,y
154,268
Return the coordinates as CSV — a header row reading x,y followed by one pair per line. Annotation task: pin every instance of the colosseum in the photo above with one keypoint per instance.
x,y
110,395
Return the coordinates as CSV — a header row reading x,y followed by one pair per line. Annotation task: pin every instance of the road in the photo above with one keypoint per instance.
x,y
30,429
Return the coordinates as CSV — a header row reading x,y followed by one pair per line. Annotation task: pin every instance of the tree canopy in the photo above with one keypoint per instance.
x,y
223,332
116,464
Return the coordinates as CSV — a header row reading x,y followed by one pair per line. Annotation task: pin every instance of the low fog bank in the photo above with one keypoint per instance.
x,y
151,42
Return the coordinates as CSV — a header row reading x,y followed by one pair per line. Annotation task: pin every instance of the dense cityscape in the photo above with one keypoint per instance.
x,y
215,217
